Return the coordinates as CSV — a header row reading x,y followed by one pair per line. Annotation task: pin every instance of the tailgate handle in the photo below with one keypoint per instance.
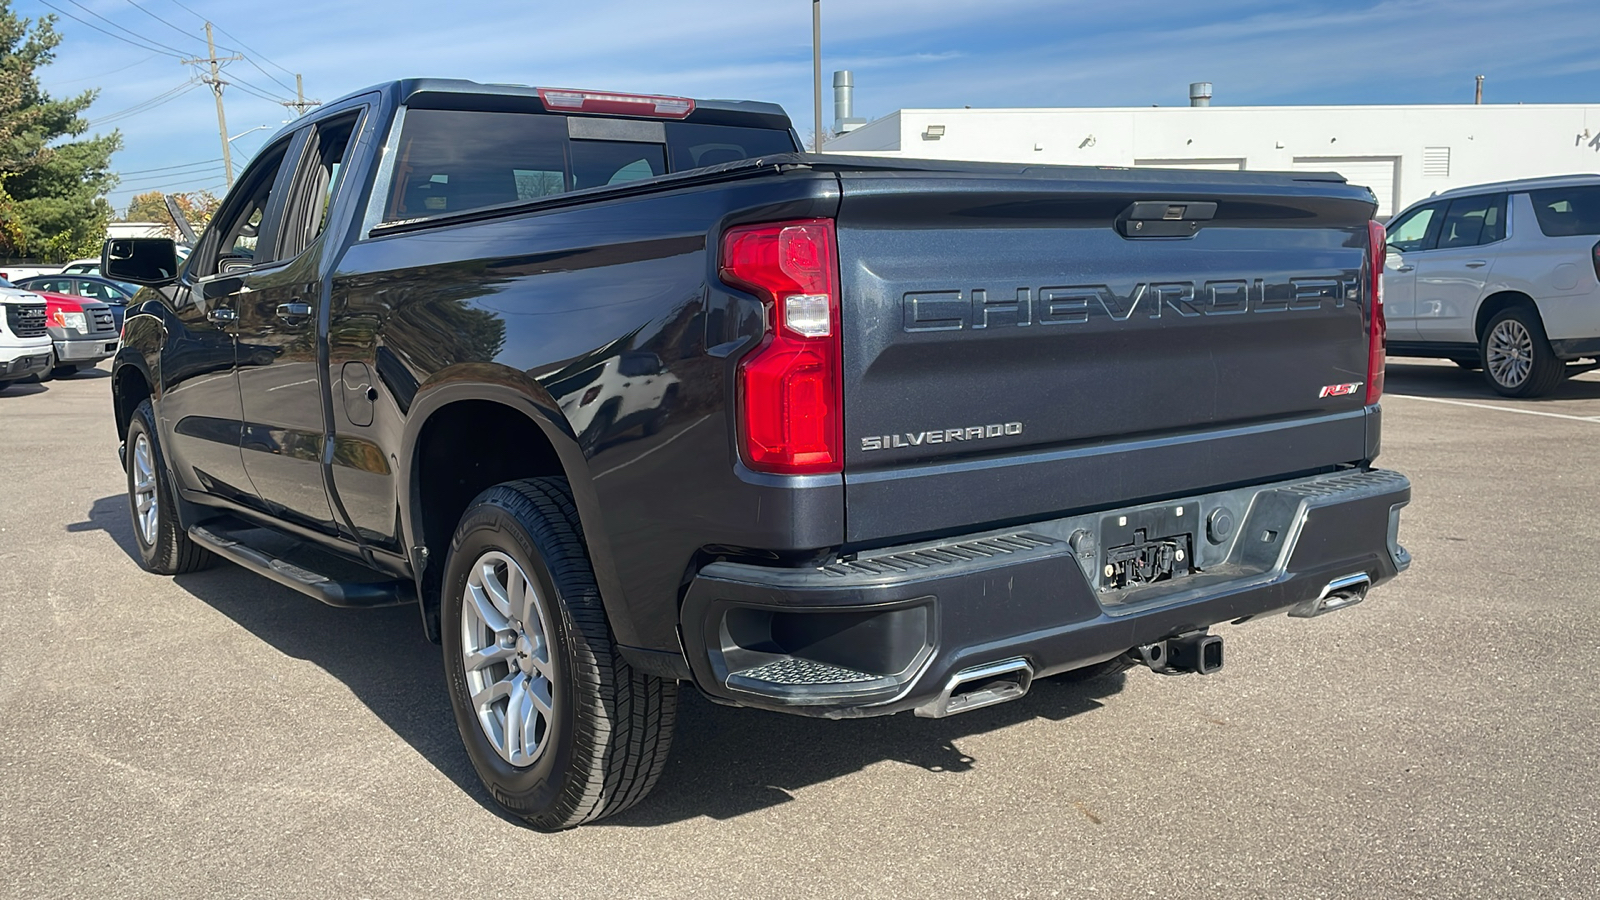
x,y
1165,218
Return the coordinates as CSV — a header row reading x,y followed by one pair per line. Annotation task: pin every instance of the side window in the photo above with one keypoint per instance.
x,y
244,221
55,286
95,291
1472,221
451,160
1415,230
1568,211
306,214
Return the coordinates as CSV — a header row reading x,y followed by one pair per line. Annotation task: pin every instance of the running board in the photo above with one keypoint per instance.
x,y
356,594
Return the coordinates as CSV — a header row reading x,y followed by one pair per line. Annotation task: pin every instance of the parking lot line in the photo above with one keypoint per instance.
x,y
1593,420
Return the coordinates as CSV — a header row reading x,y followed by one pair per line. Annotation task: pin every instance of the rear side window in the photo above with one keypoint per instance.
x,y
1565,212
451,160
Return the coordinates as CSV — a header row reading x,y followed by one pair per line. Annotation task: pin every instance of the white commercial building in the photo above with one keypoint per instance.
x,y
1404,153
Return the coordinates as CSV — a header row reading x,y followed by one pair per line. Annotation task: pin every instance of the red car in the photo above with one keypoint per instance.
x,y
82,332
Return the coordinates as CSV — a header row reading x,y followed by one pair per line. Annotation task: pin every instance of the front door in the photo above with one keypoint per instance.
x,y
1408,237
200,410
1451,278
284,438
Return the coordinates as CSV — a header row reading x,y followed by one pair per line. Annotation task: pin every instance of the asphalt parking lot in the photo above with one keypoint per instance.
x,y
217,735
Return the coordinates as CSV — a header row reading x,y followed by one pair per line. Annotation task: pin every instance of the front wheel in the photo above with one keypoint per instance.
x,y
559,727
1517,359
164,547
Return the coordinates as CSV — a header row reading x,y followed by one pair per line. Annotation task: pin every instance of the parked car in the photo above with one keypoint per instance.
x,y
24,338
630,389
81,267
115,295
945,428
82,332
1502,276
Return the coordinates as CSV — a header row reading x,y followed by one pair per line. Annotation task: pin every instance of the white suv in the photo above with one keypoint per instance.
x,y
1503,276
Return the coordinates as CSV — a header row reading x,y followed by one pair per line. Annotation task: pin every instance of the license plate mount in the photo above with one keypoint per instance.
x,y
1147,546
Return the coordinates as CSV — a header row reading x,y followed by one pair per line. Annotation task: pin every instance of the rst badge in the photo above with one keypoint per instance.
x,y
1340,390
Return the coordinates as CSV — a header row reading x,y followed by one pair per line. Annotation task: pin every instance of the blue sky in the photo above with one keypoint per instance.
x,y
932,53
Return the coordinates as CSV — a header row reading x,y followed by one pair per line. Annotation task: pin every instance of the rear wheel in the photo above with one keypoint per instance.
x,y
1517,359
164,547
559,727
63,371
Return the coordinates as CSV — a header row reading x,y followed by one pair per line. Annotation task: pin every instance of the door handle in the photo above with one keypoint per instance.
x,y
1404,268
221,315
295,310
1477,263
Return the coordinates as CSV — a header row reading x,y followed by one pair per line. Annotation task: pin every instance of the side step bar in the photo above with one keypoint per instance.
x,y
357,594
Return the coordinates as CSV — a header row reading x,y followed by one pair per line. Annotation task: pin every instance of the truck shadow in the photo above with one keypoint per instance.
x,y
724,762
1449,381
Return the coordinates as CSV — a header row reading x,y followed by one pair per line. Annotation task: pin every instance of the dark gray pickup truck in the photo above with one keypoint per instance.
x,y
625,392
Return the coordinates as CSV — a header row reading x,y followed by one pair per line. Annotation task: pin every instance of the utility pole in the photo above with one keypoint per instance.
x,y
300,104
816,71
215,81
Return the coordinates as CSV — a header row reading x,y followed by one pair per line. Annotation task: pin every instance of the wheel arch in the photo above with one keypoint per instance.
x,y
1498,302
131,384
445,462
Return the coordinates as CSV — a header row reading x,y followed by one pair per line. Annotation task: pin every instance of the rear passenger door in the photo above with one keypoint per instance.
x,y
1451,277
280,389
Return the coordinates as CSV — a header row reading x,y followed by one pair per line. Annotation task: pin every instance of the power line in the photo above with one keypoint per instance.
x,y
161,20
104,74
188,184
108,33
241,44
160,99
124,28
178,166
193,172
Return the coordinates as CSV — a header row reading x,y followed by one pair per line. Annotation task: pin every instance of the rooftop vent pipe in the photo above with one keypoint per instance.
x,y
844,103
1200,93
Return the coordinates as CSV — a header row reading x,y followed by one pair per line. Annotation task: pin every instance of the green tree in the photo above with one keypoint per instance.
x,y
54,178
151,206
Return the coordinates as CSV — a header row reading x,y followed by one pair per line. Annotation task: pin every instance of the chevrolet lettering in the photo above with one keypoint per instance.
x,y
979,308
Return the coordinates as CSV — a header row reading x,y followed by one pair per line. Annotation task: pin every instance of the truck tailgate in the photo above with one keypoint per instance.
x,y
1014,345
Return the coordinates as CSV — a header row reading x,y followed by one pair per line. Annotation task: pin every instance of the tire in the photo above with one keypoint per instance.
x,y
600,427
1517,359
658,416
164,547
63,371
599,730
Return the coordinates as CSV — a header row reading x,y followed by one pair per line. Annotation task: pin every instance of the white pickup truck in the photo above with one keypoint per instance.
x,y
24,342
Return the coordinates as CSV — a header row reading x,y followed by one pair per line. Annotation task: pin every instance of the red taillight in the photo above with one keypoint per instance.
x,y
616,104
1377,249
791,411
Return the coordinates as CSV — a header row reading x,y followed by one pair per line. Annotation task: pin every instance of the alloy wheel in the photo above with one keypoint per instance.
x,y
1510,356
147,506
505,648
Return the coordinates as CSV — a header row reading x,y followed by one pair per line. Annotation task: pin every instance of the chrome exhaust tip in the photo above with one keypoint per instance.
x,y
980,686
1338,594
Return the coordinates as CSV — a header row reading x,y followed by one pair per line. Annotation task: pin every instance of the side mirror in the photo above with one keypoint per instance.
x,y
147,261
